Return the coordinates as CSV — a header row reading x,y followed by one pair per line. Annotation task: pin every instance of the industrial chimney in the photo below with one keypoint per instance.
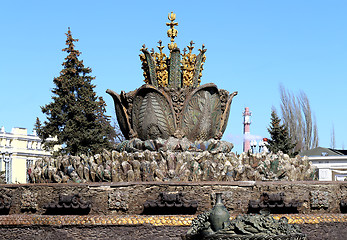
x,y
246,131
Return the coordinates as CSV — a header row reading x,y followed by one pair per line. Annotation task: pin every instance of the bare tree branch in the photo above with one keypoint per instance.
x,y
297,116
332,137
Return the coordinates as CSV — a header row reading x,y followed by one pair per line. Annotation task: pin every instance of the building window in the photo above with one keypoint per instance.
x,y
29,163
8,169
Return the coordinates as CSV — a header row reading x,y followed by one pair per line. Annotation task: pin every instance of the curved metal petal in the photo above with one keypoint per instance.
x,y
201,114
152,115
197,69
151,68
226,113
122,116
175,80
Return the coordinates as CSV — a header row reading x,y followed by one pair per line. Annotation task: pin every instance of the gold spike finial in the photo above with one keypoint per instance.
x,y
157,64
172,32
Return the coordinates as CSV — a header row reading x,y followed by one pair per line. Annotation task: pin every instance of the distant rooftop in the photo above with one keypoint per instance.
x,y
320,151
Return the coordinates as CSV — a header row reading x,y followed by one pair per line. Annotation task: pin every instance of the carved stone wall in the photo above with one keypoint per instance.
x,y
336,231
118,200
129,197
29,201
319,199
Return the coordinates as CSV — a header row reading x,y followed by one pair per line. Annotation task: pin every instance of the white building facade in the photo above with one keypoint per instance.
x,y
18,151
330,168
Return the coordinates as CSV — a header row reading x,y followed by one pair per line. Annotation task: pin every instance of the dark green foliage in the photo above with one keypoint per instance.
x,y
280,140
76,116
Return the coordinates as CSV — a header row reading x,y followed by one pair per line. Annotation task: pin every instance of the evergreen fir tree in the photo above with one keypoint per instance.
x,y
76,116
280,140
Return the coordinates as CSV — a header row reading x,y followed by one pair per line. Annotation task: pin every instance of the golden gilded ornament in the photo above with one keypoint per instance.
x,y
144,64
190,65
161,66
172,32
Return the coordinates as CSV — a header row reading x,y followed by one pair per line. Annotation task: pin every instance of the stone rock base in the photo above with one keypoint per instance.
x,y
336,231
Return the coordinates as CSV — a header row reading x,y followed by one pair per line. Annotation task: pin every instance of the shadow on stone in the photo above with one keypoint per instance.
x,y
170,204
5,204
343,206
68,205
274,203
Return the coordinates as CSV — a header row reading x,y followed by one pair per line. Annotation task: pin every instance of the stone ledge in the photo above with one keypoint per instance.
x,y
128,198
178,183
165,220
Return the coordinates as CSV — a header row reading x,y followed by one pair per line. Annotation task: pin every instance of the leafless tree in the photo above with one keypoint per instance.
x,y
332,137
297,116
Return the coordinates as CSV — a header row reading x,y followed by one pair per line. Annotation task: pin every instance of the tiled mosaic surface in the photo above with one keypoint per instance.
x,y
149,220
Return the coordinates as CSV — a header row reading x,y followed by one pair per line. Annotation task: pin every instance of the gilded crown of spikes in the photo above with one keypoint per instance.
x,y
176,70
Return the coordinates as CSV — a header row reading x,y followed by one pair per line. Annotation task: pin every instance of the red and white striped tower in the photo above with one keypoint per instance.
x,y
246,132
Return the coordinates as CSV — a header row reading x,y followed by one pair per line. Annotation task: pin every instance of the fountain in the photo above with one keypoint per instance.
x,y
169,168
172,107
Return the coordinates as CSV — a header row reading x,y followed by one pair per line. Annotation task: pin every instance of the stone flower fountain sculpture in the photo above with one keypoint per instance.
x,y
173,128
172,103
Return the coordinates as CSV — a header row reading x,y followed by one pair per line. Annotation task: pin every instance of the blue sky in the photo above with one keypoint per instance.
x,y
252,47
